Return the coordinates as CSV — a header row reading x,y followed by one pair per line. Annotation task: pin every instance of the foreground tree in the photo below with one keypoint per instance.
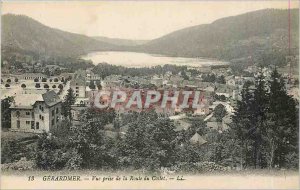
x,y
260,103
6,112
68,102
280,131
242,125
219,112
92,85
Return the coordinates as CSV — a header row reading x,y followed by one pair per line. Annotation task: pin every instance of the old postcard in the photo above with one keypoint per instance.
x,y
150,94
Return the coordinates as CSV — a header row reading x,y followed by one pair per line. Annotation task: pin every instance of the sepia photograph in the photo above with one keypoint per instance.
x,y
150,94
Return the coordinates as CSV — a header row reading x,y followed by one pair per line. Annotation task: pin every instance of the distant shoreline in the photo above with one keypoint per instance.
x,y
138,59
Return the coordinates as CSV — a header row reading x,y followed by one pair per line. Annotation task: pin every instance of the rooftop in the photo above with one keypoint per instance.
x,y
26,101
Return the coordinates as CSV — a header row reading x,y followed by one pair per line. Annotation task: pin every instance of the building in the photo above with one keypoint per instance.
x,y
25,76
197,140
226,121
230,80
90,76
36,112
78,84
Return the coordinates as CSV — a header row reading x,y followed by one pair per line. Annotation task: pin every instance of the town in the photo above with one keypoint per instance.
x,y
52,100
38,96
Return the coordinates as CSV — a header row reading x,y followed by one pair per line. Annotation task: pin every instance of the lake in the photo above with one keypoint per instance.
x,y
132,59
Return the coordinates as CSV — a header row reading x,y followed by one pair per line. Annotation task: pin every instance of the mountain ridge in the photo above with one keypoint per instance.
x,y
26,34
226,38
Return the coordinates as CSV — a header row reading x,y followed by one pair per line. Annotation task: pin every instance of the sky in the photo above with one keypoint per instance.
x,y
142,20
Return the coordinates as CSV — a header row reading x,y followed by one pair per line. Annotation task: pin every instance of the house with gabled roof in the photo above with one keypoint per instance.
x,y
197,139
36,112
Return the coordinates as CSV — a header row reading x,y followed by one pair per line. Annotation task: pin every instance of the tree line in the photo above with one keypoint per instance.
x,y
265,124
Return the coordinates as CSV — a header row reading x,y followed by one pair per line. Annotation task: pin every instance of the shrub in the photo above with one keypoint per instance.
x,y
292,160
60,86
74,160
22,164
37,85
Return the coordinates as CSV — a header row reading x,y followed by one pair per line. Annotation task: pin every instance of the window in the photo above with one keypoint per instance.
x,y
56,110
40,116
37,125
43,118
18,114
42,108
18,124
77,87
27,122
77,91
53,122
32,124
53,113
27,113
57,119
77,94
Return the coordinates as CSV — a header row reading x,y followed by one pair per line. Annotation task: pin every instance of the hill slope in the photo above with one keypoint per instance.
x,y
231,37
23,34
228,38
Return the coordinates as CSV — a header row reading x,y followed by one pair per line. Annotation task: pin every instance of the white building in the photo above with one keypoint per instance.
x,y
36,112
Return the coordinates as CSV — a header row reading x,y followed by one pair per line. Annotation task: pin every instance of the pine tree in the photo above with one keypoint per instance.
x,y
68,102
243,124
281,129
259,108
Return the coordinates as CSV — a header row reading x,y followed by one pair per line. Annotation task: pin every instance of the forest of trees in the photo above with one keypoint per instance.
x,y
104,70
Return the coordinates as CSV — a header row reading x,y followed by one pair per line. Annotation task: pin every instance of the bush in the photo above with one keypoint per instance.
x,y
292,160
37,85
74,160
22,164
48,155
209,167
60,86
11,151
